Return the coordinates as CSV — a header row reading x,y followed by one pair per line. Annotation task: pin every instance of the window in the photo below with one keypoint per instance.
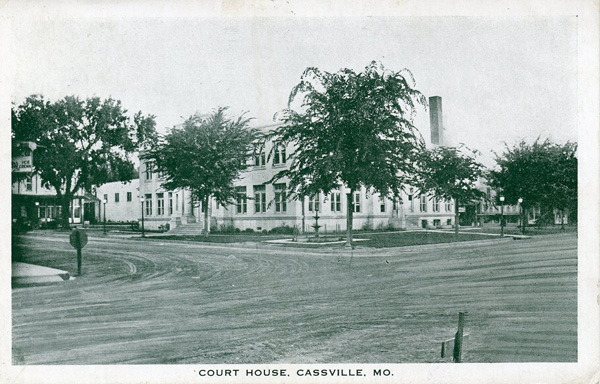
x,y
170,203
437,223
423,203
356,201
436,205
29,183
448,206
117,197
259,158
129,196
448,221
76,210
148,204
160,204
106,197
280,198
336,205
314,203
260,199
148,171
176,202
382,204
241,200
280,155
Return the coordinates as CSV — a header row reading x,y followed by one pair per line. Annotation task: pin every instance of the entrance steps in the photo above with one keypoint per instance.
x,y
190,229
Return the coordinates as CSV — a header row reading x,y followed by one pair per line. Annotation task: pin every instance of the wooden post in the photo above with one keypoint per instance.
x,y
458,338
79,261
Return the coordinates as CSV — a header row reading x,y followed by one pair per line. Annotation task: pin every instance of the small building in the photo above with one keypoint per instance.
x,y
120,201
34,203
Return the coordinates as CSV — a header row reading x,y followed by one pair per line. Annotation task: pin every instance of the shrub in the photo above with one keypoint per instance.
x,y
228,229
367,226
283,230
249,230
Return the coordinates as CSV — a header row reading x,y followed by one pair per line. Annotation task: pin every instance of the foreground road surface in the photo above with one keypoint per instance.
x,y
152,302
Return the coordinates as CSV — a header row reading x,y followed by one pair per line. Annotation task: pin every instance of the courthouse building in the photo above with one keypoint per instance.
x,y
261,205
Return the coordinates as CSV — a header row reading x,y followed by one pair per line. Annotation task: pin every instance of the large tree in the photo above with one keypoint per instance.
x,y
451,173
543,174
205,155
351,128
80,143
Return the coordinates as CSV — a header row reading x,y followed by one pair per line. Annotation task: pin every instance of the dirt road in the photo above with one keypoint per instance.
x,y
150,302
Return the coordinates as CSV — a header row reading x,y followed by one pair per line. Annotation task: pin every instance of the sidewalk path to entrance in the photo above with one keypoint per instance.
x,y
23,273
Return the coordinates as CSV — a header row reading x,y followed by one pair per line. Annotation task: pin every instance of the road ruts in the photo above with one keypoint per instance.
x,y
152,302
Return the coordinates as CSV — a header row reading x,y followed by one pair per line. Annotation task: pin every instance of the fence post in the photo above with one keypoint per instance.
x,y
458,338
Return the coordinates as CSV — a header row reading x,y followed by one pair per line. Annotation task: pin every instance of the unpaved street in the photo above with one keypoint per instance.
x,y
152,302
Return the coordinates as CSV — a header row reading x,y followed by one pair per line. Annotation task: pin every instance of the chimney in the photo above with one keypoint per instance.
x,y
435,118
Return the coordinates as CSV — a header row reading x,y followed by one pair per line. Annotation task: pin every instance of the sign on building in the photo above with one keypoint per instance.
x,y
22,157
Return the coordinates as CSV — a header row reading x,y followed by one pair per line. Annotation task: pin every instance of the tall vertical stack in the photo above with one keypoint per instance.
x,y
435,118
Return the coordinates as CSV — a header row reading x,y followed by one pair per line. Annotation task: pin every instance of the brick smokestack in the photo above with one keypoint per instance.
x,y
435,118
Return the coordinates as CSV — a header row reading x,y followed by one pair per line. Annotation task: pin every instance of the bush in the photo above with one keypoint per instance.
x,y
249,230
228,229
367,226
283,230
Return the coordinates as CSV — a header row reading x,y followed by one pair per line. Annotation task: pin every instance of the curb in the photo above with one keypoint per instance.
x,y
23,273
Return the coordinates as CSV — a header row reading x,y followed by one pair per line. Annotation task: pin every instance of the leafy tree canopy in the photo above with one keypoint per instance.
x,y
542,174
353,128
205,155
450,173
80,142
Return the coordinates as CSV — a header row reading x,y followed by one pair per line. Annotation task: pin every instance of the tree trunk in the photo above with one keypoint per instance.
x,y
349,217
456,217
303,215
205,203
65,203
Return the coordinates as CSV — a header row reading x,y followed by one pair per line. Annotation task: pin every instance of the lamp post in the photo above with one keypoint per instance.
x,y
104,225
521,214
502,216
142,201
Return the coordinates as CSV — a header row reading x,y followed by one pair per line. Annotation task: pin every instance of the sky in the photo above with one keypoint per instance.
x,y
500,79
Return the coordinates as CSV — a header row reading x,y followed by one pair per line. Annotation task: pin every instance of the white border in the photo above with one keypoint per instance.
x,y
587,367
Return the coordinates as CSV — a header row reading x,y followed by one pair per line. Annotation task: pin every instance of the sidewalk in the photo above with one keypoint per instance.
x,y
23,273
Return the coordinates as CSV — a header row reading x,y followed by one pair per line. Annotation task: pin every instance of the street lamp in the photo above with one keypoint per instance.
x,y
104,226
142,201
502,216
521,214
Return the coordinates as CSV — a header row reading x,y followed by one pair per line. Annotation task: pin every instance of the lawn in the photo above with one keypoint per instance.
x,y
403,239
372,239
